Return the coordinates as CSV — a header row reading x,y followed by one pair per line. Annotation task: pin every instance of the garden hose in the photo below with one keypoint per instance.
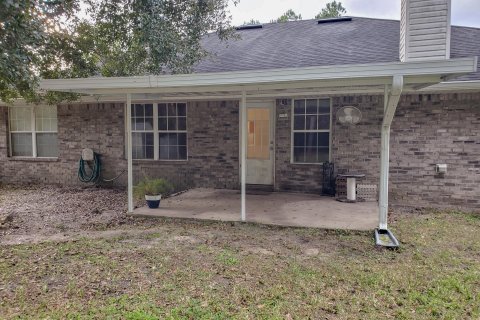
x,y
94,175
96,170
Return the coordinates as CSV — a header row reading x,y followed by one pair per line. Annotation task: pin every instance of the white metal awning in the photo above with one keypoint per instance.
x,y
359,78
391,79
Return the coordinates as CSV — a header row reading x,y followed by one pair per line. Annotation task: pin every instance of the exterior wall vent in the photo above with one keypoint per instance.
x,y
425,30
330,20
249,26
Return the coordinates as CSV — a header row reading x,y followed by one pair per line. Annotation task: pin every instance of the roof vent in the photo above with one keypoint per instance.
x,y
339,19
249,26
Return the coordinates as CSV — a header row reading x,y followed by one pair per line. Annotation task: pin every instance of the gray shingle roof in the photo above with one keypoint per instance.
x,y
306,43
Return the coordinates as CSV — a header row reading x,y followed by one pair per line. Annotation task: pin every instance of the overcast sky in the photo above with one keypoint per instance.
x,y
464,12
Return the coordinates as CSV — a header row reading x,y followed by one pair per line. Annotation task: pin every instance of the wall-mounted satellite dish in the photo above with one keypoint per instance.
x,y
349,115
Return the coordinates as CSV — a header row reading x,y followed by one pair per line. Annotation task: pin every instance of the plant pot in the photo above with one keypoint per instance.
x,y
153,201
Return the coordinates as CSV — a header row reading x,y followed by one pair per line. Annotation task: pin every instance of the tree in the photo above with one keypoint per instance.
x,y
289,15
44,38
252,21
134,37
332,9
31,35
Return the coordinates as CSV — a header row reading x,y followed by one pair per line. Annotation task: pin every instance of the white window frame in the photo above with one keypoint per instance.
x,y
292,131
153,131
156,131
33,132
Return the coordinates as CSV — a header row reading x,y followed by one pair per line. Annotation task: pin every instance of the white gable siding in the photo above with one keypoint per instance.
x,y
403,30
425,30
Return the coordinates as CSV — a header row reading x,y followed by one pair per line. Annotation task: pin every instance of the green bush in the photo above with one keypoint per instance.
x,y
152,187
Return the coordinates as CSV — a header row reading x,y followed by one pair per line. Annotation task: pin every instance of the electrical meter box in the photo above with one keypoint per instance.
x,y
87,154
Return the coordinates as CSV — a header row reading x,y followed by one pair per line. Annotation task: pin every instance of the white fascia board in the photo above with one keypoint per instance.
x,y
250,88
260,77
470,85
140,97
20,103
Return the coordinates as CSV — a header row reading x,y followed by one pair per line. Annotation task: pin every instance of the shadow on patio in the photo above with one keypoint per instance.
x,y
276,208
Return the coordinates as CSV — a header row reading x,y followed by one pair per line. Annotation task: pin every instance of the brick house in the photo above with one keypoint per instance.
x,y
284,84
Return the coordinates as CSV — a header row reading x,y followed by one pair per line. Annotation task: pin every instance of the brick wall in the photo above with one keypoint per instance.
x,y
427,129
430,129
96,126
354,148
212,147
290,176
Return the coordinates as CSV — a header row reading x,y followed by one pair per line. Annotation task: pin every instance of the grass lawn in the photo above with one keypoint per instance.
x,y
206,270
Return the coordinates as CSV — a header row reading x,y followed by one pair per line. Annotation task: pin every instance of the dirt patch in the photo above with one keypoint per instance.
x,y
187,239
34,213
257,250
311,251
46,214
5,219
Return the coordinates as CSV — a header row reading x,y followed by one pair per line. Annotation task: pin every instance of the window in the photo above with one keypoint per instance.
x,y
311,130
172,128
33,131
142,131
159,131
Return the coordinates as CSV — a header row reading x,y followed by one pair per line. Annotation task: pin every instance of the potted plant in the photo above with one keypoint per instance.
x,y
152,190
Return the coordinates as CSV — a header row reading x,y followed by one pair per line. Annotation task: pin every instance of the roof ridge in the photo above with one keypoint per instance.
x,y
457,26
315,19
353,17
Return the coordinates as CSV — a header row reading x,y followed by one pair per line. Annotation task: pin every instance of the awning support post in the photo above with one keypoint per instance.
x,y
243,152
129,153
384,166
391,100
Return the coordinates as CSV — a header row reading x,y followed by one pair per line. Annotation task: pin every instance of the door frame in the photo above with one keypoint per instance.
x,y
270,103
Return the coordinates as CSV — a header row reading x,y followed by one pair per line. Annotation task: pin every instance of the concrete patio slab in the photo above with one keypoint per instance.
x,y
276,208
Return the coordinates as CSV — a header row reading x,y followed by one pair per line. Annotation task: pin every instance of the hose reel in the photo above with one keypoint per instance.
x,y
92,160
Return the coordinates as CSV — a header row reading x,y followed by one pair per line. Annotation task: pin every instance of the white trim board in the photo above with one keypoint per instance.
x,y
471,85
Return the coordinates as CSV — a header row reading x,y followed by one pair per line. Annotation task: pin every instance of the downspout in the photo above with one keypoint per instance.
x,y
129,154
391,101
